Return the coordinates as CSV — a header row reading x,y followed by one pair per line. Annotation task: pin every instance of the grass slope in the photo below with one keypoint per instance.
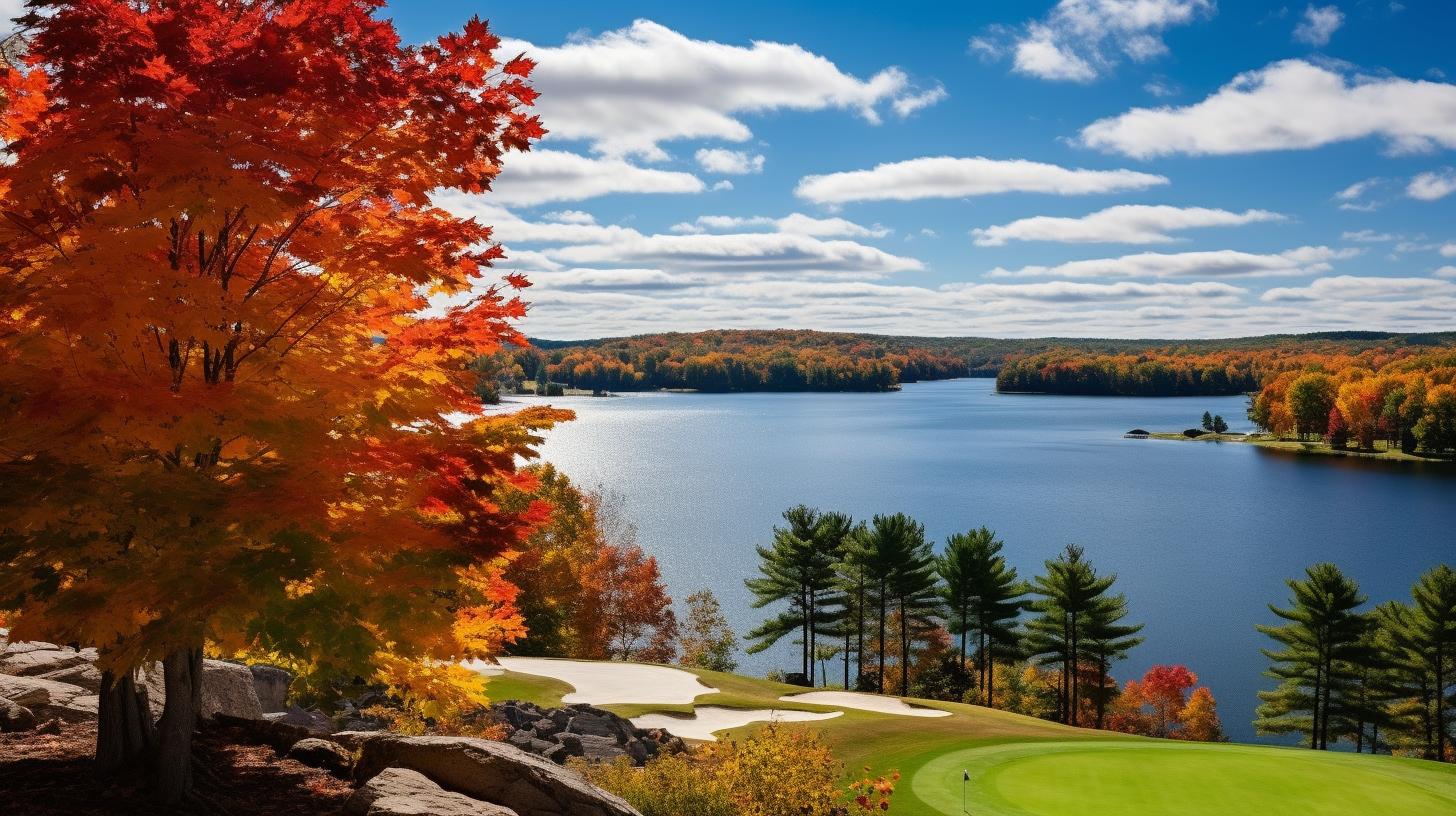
x,y
1022,766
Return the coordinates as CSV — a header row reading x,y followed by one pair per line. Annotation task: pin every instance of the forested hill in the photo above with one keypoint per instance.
x,y
798,360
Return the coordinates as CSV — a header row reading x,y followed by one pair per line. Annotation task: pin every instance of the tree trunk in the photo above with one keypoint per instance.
x,y
880,681
182,670
125,735
1441,735
904,650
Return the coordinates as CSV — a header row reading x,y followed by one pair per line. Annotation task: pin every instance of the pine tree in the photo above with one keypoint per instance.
x,y
913,585
982,595
798,569
1069,593
1108,640
1219,425
1207,421
1323,646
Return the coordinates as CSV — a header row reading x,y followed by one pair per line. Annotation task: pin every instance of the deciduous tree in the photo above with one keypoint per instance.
x,y
228,418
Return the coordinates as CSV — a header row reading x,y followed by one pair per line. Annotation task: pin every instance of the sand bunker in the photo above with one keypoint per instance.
x,y
607,683
863,702
707,719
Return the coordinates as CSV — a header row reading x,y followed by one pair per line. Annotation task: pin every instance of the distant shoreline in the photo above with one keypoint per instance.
x,y
1296,447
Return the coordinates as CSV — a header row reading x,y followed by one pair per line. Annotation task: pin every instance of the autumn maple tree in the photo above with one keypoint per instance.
x,y
229,414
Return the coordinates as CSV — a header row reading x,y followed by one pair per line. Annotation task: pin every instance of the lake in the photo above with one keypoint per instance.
x,y
1200,535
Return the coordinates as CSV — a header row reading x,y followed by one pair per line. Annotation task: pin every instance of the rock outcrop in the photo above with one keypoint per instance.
x,y
271,685
580,731
491,772
323,754
15,717
402,792
48,698
227,688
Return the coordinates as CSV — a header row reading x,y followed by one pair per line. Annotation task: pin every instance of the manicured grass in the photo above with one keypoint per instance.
x,y
1023,766
1144,778
528,688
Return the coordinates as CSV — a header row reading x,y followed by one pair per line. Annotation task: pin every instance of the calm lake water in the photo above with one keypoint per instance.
x,y
1201,536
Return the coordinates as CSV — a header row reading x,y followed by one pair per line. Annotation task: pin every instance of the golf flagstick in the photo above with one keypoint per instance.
x,y
965,777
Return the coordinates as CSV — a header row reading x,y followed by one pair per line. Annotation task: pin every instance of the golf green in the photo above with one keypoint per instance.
x,y
1137,778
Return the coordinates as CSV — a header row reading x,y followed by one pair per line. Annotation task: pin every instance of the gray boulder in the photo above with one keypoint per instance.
x,y
271,685
313,721
402,792
319,753
14,717
47,698
85,675
33,662
492,772
227,688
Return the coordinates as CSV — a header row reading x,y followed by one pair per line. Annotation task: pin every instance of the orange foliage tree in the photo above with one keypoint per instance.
x,y
227,419
1160,705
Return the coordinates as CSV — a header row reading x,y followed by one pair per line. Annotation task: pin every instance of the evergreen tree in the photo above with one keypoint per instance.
x,y
914,587
1324,645
982,595
1432,627
1108,640
853,595
886,552
1207,421
1219,425
798,569
1069,593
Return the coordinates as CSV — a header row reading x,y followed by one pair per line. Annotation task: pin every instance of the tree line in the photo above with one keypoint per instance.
x,y
1179,371
1382,679
1408,404
901,618
729,361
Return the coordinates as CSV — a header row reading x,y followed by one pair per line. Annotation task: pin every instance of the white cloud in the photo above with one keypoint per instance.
x,y
1448,250
1368,236
758,252
1223,263
1080,40
626,91
1123,224
570,217
1433,185
733,162
1445,272
796,223
1072,292
949,177
1285,106
1161,88
910,103
1358,189
1362,288
1318,25
541,176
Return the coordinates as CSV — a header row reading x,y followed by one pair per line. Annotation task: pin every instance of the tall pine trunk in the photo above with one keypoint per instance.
x,y
125,734
880,681
182,671
904,650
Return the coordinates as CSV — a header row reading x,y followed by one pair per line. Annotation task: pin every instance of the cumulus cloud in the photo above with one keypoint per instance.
x,y
1223,263
1077,292
1368,236
910,103
796,223
1080,40
1318,24
1433,185
1286,106
542,176
1448,250
949,177
730,162
1362,288
627,91
1123,224
759,252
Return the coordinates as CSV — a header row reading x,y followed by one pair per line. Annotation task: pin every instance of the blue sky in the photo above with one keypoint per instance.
x,y
1133,168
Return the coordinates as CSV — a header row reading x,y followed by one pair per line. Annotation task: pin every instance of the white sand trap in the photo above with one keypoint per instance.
x,y
863,702
607,683
707,719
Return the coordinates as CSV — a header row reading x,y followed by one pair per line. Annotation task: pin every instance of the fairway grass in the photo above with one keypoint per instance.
x,y
1023,766
1146,778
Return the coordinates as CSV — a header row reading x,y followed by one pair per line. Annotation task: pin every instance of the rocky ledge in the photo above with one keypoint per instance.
x,y
580,731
